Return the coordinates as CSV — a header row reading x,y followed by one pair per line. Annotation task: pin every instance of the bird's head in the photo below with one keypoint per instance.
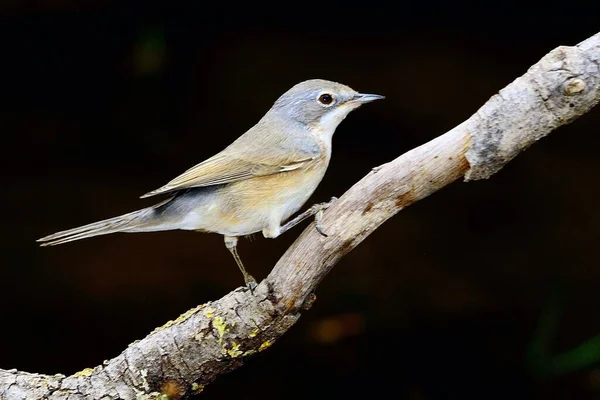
x,y
319,104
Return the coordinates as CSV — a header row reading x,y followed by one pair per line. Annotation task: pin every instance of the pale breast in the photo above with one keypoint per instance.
x,y
248,206
252,204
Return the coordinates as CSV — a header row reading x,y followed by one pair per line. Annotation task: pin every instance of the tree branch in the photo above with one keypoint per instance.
x,y
181,357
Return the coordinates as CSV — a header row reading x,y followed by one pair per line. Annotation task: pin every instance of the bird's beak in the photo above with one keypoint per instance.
x,y
366,98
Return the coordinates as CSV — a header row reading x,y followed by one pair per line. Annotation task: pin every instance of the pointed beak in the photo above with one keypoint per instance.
x,y
366,98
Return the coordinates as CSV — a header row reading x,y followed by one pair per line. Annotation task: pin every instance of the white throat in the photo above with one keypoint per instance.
x,y
330,121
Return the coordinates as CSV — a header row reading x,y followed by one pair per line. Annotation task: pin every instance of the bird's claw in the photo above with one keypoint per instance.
x,y
251,284
319,208
323,206
319,226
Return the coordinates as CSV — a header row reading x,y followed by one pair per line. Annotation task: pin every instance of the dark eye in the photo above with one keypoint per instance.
x,y
326,99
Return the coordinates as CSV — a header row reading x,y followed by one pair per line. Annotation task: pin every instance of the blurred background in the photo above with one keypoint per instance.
x,y
485,290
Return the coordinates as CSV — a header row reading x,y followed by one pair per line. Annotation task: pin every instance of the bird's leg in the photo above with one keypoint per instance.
x,y
316,210
231,243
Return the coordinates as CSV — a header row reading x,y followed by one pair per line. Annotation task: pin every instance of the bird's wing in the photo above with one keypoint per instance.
x,y
226,168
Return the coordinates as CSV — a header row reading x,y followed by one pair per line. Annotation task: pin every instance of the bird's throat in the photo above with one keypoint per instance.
x,y
329,122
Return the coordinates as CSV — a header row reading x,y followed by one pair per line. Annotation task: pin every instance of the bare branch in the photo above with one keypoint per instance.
x,y
184,355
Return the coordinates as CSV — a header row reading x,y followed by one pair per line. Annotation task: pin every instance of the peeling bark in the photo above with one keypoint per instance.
x,y
178,359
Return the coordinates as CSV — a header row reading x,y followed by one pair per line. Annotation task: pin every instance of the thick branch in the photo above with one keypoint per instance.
x,y
184,355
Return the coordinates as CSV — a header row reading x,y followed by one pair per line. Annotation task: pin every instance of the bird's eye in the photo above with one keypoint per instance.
x,y
326,99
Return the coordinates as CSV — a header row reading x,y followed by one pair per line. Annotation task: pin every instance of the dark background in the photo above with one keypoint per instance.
x,y
480,291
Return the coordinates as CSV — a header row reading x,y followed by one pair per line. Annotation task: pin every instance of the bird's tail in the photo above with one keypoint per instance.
x,y
147,219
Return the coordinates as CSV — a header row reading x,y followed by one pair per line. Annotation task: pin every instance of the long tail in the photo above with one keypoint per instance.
x,y
138,221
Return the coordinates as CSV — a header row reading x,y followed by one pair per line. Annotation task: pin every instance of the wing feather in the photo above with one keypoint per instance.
x,y
274,145
223,168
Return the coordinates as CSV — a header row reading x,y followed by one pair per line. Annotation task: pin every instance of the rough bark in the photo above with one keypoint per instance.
x,y
181,357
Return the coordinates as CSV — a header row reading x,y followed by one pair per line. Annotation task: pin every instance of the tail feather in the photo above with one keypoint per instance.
x,y
128,222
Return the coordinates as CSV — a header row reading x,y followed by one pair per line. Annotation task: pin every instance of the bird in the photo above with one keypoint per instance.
x,y
256,183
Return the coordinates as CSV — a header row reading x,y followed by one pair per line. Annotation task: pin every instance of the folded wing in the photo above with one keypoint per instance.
x,y
225,168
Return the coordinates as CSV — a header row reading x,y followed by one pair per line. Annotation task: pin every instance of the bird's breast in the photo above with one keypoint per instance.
x,y
247,206
279,195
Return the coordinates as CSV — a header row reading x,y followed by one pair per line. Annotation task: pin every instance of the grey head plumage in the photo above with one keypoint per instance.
x,y
309,101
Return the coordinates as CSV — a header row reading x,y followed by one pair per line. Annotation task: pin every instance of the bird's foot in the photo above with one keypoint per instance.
x,y
318,209
250,283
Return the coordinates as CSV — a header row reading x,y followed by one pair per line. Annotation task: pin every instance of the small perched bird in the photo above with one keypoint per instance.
x,y
254,184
